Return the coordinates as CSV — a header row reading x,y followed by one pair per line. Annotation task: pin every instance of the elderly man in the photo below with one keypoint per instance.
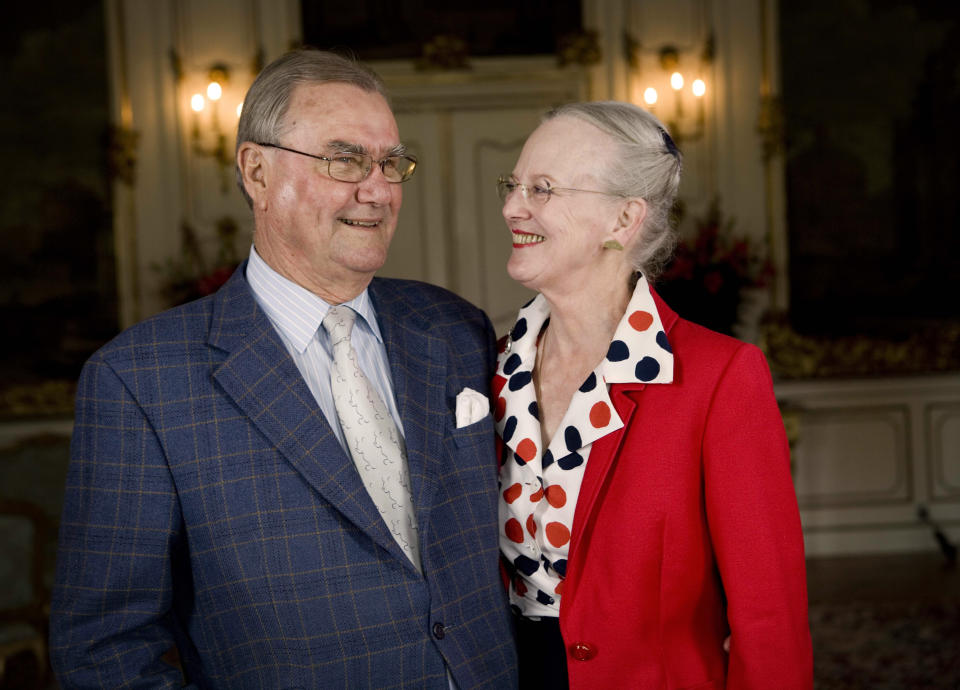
x,y
286,482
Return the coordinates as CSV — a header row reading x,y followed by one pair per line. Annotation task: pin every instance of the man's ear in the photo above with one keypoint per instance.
x,y
630,220
253,167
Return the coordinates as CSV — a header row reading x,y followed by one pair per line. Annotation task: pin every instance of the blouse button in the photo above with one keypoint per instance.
x,y
581,651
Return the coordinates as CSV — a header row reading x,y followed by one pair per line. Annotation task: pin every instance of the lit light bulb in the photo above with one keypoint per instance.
x,y
239,109
214,91
197,102
698,88
676,81
650,95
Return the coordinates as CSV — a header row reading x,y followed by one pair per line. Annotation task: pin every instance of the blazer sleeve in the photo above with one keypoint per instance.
x,y
111,618
755,529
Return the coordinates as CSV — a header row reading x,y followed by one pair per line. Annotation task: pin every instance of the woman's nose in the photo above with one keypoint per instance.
x,y
516,204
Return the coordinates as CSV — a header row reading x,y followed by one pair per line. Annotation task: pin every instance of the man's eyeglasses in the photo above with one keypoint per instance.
x,y
537,193
355,167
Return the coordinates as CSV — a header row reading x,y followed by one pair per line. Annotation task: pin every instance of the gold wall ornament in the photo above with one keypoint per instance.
x,y
579,48
671,81
444,52
795,356
50,398
122,154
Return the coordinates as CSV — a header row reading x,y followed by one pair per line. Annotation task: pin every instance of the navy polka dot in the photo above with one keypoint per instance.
x,y
509,428
663,342
547,459
560,565
534,410
519,330
544,598
520,461
525,565
589,384
568,462
519,380
572,438
647,369
618,351
510,366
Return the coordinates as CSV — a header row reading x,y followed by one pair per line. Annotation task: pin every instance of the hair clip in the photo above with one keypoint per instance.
x,y
668,141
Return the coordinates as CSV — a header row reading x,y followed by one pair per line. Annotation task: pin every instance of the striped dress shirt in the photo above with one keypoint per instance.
x,y
297,315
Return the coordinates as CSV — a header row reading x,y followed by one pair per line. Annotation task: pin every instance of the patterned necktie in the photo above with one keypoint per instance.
x,y
373,439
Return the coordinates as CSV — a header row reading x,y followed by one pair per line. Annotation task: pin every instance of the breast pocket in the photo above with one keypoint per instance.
x,y
474,434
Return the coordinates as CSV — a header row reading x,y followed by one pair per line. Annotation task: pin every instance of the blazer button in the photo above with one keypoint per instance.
x,y
439,631
581,651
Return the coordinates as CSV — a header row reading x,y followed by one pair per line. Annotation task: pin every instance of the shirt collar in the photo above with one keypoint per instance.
x,y
296,311
639,351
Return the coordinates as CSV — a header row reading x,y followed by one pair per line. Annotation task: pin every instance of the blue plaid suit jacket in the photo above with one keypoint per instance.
x,y
209,506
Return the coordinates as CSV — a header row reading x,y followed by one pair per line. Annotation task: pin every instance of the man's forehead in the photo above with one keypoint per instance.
x,y
341,116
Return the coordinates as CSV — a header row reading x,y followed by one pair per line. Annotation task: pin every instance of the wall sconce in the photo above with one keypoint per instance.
x,y
207,135
675,95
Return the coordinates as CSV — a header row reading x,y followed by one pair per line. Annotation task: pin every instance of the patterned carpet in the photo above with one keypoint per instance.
x,y
902,645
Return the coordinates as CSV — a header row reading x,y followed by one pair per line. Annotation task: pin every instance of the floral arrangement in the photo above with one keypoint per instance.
x,y
705,280
191,275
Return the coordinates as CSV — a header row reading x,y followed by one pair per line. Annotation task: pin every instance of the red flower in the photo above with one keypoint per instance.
x,y
713,281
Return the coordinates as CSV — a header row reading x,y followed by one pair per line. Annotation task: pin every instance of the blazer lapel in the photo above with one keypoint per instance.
x,y
418,365
605,450
263,381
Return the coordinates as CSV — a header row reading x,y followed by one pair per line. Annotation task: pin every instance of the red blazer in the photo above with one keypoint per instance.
x,y
687,530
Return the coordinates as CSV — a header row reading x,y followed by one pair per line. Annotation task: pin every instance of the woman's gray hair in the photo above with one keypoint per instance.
x,y
647,165
267,100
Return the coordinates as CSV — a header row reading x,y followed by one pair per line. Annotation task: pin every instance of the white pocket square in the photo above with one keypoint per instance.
x,y
471,407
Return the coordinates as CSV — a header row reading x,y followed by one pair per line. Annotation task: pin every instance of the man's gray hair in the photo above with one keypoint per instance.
x,y
267,100
647,165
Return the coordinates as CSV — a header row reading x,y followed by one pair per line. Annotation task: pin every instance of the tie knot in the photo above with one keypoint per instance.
x,y
338,323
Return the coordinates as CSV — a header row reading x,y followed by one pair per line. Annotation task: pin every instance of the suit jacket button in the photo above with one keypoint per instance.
x,y
581,651
439,631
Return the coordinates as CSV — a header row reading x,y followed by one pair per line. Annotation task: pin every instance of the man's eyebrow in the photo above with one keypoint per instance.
x,y
348,147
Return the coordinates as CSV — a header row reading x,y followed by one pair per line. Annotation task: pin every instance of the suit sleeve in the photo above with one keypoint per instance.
x,y
755,529
111,618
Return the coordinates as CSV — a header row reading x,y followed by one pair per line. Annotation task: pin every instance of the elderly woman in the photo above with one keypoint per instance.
x,y
649,527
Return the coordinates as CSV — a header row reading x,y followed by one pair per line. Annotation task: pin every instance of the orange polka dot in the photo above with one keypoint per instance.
x,y
600,415
557,533
500,409
527,449
641,320
559,588
512,493
537,496
556,496
513,530
531,525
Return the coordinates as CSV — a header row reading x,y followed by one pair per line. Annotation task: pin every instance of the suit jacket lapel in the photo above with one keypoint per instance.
x,y
418,366
263,381
605,450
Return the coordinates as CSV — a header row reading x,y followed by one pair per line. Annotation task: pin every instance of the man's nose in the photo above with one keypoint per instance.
x,y
374,188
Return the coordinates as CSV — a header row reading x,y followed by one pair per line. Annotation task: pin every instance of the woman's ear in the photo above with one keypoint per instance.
x,y
630,220
253,170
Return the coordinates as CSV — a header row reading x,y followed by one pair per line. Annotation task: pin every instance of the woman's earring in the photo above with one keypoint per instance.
x,y
613,244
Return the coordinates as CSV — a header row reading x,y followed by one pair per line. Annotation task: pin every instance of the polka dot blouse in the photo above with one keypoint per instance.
x,y
539,487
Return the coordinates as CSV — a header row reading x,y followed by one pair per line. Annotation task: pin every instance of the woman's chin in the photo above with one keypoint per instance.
x,y
521,273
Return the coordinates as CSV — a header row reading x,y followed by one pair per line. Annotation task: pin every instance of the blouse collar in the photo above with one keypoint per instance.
x,y
639,353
